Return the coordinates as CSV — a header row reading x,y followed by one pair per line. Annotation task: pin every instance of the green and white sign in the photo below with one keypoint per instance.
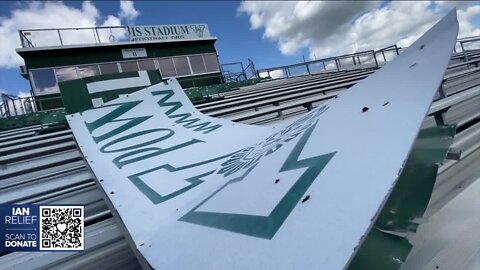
x,y
168,32
196,192
86,93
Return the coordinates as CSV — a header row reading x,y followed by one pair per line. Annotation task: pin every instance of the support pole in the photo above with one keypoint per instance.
x,y
60,37
464,52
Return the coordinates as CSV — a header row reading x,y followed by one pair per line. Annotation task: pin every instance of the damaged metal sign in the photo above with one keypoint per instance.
x,y
197,192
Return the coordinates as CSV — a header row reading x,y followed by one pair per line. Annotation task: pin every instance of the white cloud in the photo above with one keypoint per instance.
x,y
467,29
301,24
24,94
451,4
128,11
335,27
274,74
49,14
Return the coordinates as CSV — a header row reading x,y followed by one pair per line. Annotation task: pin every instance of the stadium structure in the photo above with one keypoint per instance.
x,y
43,162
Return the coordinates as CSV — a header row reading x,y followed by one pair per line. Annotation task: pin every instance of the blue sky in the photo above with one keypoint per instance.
x,y
235,41
282,32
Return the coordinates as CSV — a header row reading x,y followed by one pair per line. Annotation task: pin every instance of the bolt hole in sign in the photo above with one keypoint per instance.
x,y
196,192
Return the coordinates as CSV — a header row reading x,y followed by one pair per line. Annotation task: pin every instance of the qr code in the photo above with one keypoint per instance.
x,y
61,228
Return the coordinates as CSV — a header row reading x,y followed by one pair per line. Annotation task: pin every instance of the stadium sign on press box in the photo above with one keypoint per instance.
x,y
168,32
196,192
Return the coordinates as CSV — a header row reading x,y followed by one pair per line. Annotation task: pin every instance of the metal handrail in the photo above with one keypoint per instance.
x,y
10,99
467,40
230,76
244,74
387,49
355,57
318,61
26,43
74,28
23,38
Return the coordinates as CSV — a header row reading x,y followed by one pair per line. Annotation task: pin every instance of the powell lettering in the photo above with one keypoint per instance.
x,y
112,116
184,118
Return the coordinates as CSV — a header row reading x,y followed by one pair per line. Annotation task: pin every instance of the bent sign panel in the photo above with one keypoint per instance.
x,y
86,93
197,192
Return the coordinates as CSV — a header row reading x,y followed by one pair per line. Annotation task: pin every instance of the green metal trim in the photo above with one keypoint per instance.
x,y
382,251
47,118
211,92
385,246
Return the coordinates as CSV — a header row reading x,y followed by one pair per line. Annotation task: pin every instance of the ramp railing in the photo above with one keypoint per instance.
x,y
465,43
14,106
235,72
388,53
359,60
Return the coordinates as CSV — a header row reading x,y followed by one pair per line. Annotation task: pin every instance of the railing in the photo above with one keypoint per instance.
x,y
14,106
457,44
235,72
464,41
250,71
389,50
230,76
72,36
276,107
246,73
359,60
363,59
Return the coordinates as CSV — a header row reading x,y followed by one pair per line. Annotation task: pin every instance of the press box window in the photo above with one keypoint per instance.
x,y
66,74
44,81
211,62
166,67
196,61
129,66
146,64
182,66
87,71
109,68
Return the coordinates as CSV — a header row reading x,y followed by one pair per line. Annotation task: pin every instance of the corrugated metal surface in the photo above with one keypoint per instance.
x,y
47,168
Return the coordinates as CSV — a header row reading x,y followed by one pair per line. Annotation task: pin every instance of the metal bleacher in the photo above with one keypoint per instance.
x,y
48,168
